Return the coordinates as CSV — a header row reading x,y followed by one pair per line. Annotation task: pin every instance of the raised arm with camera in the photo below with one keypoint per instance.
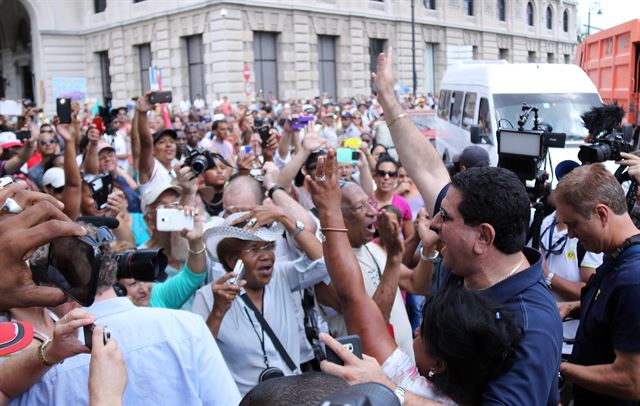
x,y
21,371
145,157
14,164
90,164
416,153
72,181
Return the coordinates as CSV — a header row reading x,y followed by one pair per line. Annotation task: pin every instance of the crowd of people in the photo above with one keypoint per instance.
x,y
291,243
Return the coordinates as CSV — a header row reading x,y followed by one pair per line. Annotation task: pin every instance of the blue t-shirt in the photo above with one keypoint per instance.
x,y
609,319
533,378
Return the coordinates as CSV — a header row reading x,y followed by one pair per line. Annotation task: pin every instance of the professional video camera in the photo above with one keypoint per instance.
x,y
201,160
606,141
525,152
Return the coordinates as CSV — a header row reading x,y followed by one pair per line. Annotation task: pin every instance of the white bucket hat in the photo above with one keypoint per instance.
x,y
214,235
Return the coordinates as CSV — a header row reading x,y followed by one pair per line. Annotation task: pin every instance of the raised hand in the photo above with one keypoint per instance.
x,y
390,233
324,187
384,77
312,140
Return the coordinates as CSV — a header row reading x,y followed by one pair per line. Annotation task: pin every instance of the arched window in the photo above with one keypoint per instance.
x,y
549,18
565,21
502,13
530,13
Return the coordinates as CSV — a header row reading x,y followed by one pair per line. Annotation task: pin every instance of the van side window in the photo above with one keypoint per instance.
x,y
456,108
484,121
443,104
469,109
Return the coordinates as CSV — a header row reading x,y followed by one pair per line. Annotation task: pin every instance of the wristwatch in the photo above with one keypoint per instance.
x,y
399,392
548,279
298,229
272,190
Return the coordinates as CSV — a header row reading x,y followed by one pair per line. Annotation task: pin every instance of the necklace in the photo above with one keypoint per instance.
x,y
513,271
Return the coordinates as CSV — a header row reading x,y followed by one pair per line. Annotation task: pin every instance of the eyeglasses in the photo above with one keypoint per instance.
x,y
255,250
51,141
382,174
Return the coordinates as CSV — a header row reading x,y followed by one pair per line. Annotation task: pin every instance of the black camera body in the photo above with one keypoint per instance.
x,y
201,160
605,147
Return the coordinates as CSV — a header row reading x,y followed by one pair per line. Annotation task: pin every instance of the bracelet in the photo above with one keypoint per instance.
x,y
204,247
41,356
336,230
273,189
549,278
396,118
400,393
433,258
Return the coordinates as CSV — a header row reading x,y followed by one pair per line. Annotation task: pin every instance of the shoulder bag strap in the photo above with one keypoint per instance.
x,y
267,329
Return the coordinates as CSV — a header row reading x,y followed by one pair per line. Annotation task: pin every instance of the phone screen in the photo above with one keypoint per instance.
x,y
63,109
73,266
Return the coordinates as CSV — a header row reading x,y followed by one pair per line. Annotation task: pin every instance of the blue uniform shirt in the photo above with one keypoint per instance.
x,y
533,378
609,319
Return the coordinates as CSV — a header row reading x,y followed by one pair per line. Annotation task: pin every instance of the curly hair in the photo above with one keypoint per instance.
x,y
474,337
495,196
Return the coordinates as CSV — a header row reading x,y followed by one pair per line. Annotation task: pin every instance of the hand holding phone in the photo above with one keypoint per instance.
x,y
350,343
170,219
347,156
88,335
63,109
161,97
239,270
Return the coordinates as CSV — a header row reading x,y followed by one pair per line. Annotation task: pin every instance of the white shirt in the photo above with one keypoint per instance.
x,y
240,332
159,176
185,106
171,357
563,261
368,256
198,104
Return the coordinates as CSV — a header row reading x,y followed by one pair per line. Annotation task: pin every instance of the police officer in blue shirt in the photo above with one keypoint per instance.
x,y
605,363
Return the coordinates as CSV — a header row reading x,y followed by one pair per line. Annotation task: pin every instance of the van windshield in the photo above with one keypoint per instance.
x,y
561,110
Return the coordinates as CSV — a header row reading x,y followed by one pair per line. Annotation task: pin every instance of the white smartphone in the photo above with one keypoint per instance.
x,y
173,220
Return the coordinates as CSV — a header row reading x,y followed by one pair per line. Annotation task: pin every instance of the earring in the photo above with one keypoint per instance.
x,y
432,372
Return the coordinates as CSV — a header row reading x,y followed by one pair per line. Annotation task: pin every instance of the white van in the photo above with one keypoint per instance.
x,y
490,95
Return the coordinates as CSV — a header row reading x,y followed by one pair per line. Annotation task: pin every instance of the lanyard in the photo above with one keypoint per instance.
x,y
557,247
261,339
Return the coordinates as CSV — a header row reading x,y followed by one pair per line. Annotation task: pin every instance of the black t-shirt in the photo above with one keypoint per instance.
x,y
609,319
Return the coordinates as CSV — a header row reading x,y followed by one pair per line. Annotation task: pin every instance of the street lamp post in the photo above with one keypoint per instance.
x,y
592,7
413,46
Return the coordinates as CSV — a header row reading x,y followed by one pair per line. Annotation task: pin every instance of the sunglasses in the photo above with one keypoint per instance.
x,y
382,174
51,141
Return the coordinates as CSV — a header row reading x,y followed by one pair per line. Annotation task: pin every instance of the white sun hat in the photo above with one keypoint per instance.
x,y
214,235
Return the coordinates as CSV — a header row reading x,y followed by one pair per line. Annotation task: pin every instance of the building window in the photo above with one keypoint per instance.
x,y
327,64
376,47
503,53
502,11
144,59
475,52
531,56
468,7
567,58
266,72
550,57
105,76
549,18
99,6
565,21
530,14
195,60
429,4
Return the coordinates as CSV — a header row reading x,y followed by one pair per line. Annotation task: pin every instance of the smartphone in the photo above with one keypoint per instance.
x,y
239,270
301,122
347,156
88,335
353,142
351,343
99,123
245,150
101,187
23,136
73,266
63,109
5,181
168,219
264,135
161,97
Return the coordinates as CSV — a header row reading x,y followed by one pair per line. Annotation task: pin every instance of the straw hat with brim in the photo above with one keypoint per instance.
x,y
214,235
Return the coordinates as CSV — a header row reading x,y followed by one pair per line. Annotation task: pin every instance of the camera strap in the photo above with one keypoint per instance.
x,y
266,328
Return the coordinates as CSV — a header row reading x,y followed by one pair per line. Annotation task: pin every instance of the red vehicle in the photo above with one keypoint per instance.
x,y
425,120
611,58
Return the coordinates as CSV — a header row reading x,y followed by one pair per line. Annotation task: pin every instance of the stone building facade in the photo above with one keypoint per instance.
x,y
292,48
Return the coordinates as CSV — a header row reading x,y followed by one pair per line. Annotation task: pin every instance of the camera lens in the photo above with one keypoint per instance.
x,y
145,264
595,153
199,164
